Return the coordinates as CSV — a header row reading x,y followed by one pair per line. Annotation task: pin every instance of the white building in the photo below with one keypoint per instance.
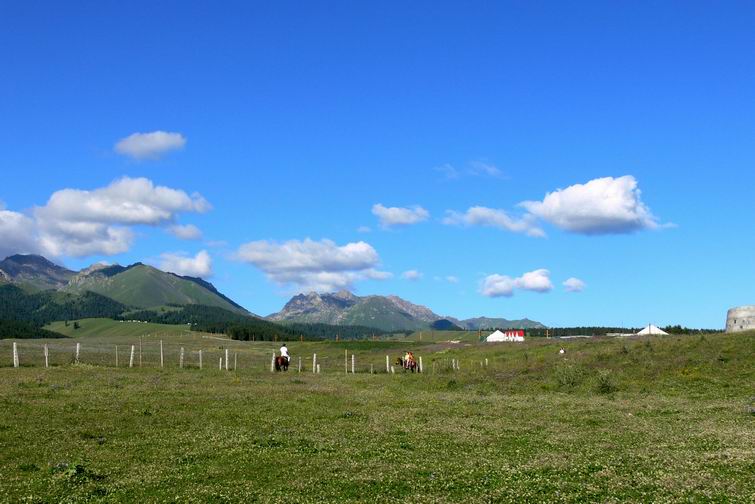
x,y
516,335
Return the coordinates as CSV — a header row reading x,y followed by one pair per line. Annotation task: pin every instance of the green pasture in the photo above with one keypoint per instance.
x,y
611,420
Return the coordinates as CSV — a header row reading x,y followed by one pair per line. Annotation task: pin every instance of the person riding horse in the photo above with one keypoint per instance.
x,y
408,362
281,362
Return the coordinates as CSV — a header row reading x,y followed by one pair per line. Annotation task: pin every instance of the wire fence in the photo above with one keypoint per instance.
x,y
192,355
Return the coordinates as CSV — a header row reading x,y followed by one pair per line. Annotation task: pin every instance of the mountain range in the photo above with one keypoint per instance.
x,y
137,285
389,313
143,287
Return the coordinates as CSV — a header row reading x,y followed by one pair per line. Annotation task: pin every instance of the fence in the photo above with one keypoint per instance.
x,y
161,354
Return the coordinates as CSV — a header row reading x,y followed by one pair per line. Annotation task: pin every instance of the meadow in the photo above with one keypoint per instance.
x,y
663,419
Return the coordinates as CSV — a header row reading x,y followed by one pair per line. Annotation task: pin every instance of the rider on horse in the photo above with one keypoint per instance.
x,y
284,353
408,360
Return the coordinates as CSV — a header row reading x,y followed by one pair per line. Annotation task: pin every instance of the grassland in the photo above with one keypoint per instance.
x,y
640,420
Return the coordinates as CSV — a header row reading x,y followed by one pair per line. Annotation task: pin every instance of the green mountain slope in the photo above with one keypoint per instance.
x,y
44,307
474,324
143,286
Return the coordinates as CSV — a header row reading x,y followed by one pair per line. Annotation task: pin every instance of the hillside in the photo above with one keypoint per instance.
x,y
34,270
387,313
144,286
474,324
43,307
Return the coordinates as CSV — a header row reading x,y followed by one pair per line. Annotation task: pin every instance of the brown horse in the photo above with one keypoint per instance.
x,y
408,365
281,363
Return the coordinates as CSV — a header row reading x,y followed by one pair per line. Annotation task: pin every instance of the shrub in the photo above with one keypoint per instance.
x,y
569,375
605,383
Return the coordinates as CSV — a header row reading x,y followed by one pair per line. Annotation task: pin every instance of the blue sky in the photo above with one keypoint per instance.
x,y
291,121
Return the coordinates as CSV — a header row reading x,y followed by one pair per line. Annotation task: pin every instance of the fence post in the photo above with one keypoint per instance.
x,y
15,355
393,370
486,362
131,360
352,364
220,364
387,365
200,359
272,363
318,369
116,355
181,359
161,354
372,370
78,350
235,361
314,363
300,364
47,354
420,364
226,359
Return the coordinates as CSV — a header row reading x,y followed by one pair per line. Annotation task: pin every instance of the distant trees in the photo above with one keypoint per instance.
x,y
18,329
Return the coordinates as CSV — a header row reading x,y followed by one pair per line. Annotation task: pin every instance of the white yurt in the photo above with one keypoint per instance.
x,y
652,330
509,335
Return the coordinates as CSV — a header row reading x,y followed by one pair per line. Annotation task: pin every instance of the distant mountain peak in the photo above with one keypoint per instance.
x,y
35,270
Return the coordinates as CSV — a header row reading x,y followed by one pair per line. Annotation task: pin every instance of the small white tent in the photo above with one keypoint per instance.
x,y
496,336
509,335
651,329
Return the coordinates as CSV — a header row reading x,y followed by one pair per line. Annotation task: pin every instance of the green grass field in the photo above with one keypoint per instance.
x,y
611,420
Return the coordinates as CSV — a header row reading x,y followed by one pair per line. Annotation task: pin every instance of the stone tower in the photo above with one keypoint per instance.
x,y
741,318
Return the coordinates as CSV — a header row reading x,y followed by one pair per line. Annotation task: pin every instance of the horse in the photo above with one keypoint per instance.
x,y
281,363
407,364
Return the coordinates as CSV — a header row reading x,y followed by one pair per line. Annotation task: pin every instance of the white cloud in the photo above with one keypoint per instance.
x,y
502,285
185,232
198,266
452,279
479,168
150,145
364,229
601,206
472,169
491,217
574,285
313,265
79,223
412,275
17,234
398,216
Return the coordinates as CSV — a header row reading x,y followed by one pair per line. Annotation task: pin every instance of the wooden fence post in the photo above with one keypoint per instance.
x,y
47,354
314,363
181,359
131,360
78,350
220,364
393,370
352,364
420,364
226,359
387,364
272,363
200,359
15,355
318,369
300,364
162,362
486,362
372,370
